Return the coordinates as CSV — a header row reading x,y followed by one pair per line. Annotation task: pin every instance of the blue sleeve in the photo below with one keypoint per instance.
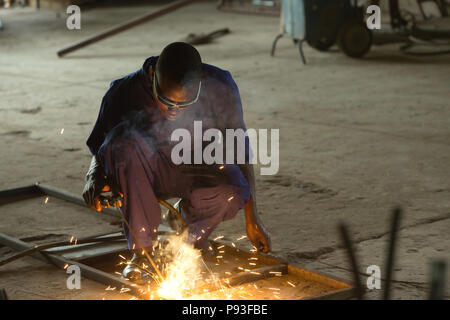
x,y
234,115
108,116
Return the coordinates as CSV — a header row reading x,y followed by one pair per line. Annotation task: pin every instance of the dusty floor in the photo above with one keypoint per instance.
x,y
356,138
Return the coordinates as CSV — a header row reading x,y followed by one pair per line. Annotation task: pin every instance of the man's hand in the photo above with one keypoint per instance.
x,y
256,232
258,236
95,184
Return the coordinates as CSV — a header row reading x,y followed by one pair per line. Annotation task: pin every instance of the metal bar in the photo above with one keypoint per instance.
x,y
42,247
64,195
352,257
18,191
86,271
125,26
251,11
391,253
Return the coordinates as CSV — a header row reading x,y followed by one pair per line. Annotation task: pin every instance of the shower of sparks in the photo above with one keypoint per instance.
x,y
62,131
46,200
187,276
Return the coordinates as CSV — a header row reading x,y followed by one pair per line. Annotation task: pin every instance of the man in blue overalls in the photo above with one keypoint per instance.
x,y
131,146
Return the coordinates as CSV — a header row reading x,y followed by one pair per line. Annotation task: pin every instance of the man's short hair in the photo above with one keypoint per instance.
x,y
179,64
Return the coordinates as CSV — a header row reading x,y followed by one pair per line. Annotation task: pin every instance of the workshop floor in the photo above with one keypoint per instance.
x,y
356,138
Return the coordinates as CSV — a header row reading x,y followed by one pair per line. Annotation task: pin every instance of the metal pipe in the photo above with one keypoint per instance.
x,y
86,271
18,191
42,247
125,26
391,253
352,257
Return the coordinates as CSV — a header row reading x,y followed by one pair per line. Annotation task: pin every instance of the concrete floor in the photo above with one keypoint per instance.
x,y
357,137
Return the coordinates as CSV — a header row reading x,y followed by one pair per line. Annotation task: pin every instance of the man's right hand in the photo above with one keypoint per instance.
x,y
96,183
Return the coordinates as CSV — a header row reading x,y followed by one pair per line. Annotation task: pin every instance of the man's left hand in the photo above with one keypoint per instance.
x,y
258,236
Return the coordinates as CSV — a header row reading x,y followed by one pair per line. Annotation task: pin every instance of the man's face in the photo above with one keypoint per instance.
x,y
173,100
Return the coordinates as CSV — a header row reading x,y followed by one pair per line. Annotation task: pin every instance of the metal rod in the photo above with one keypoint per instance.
x,y
352,257
67,196
86,271
27,252
18,191
391,253
125,26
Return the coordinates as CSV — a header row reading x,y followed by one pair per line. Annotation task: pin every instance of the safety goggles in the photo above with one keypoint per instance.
x,y
170,103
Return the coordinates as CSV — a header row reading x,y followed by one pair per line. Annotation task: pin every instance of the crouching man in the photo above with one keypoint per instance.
x,y
132,146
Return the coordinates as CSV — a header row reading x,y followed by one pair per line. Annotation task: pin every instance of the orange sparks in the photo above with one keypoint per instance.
x,y
46,200
290,283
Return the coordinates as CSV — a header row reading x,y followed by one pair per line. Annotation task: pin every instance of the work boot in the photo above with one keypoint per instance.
x,y
138,270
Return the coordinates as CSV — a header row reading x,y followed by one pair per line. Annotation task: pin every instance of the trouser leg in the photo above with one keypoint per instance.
x,y
137,169
213,200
